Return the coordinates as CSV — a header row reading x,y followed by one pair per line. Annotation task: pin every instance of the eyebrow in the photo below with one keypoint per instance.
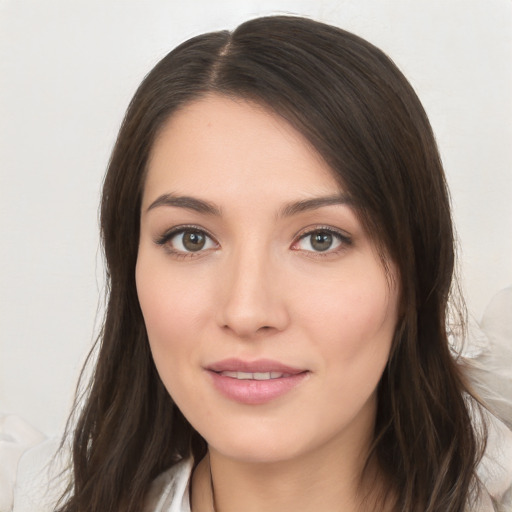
x,y
313,204
187,202
208,208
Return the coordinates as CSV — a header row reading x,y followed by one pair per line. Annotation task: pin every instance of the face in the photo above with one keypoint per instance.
x,y
269,313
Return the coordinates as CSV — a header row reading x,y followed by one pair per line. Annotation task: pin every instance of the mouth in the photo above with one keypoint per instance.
x,y
255,375
254,382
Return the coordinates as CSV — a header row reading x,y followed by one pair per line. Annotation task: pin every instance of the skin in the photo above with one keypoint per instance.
x,y
259,288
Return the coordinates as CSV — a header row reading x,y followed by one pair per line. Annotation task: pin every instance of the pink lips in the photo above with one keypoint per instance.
x,y
269,379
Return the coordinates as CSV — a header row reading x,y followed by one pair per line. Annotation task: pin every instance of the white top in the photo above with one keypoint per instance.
x,y
170,491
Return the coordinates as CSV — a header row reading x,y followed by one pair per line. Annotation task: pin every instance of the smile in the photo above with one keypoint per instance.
x,y
255,375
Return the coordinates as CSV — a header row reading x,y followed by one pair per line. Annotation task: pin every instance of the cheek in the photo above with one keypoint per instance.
x,y
353,321
361,307
171,309
171,302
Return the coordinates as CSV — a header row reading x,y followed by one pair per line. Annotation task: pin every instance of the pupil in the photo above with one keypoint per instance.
x,y
321,241
193,241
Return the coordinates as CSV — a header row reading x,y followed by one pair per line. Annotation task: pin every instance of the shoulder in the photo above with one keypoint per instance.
x,y
31,473
27,464
16,437
170,491
32,476
487,360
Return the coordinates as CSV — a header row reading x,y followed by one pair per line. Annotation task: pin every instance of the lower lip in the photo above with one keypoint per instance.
x,y
255,392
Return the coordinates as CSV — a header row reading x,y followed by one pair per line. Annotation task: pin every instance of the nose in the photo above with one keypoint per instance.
x,y
252,302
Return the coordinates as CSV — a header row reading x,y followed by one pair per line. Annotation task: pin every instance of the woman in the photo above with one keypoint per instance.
x,y
279,249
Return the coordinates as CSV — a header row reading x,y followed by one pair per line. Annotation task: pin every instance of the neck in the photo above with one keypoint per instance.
x,y
323,480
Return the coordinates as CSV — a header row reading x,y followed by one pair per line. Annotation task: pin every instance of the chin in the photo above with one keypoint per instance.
x,y
265,446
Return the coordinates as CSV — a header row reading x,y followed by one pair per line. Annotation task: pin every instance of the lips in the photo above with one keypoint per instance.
x,y
258,366
254,382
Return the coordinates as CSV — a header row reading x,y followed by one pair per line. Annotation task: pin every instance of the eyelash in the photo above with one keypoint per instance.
x,y
171,233
344,240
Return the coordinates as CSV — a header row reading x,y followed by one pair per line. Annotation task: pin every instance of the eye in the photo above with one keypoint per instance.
x,y
186,240
321,240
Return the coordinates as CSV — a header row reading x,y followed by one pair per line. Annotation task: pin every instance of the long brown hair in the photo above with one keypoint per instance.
x,y
362,116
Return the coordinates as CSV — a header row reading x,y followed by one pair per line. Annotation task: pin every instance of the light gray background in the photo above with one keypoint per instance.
x,y
68,69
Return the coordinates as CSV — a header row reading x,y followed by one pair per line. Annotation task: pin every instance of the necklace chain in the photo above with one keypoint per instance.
x,y
212,489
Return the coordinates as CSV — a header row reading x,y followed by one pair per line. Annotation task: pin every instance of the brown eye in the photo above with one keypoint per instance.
x,y
321,241
193,240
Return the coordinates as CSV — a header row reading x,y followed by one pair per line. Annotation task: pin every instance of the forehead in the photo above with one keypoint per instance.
x,y
222,145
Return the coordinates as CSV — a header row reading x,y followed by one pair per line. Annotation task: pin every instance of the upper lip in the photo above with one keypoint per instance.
x,y
257,366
